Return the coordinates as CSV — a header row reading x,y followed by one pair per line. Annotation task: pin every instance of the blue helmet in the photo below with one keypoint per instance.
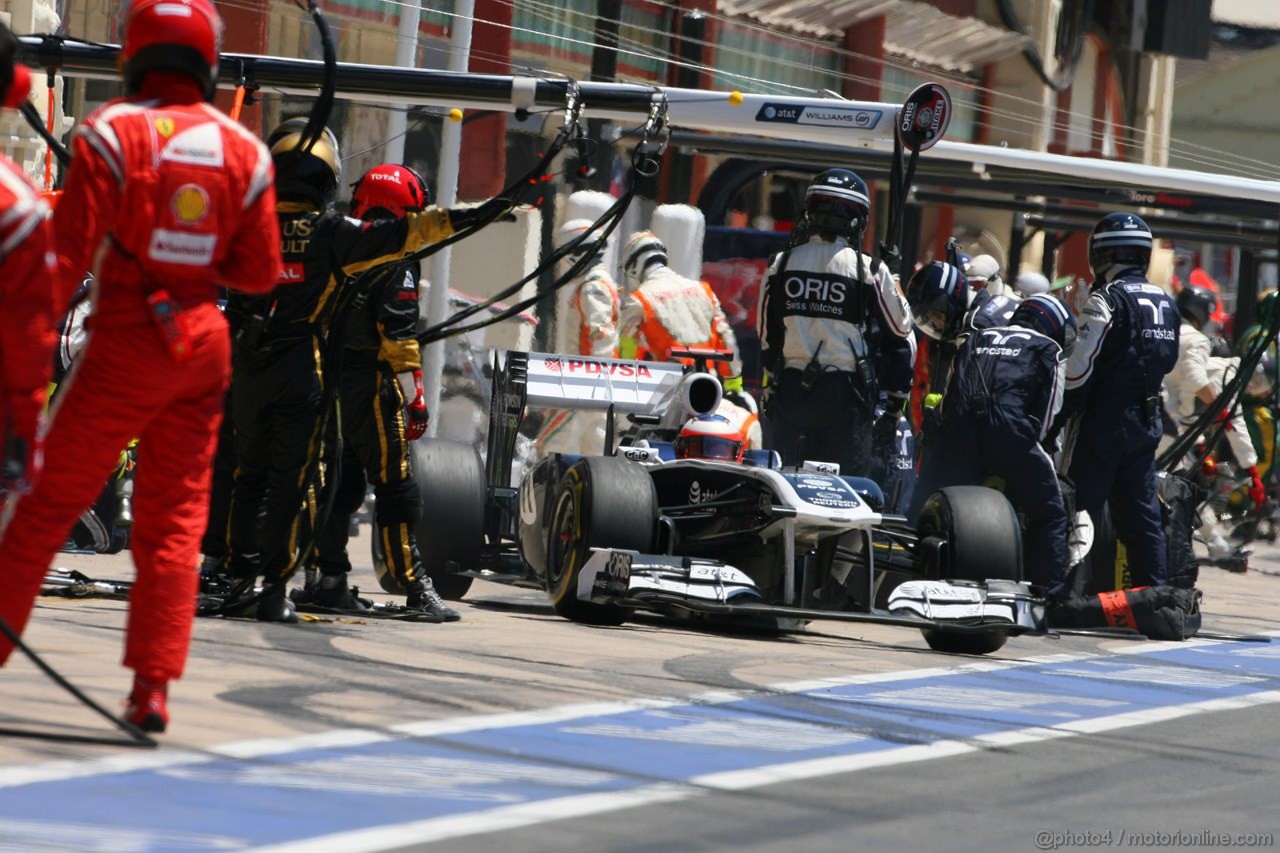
x,y
1119,242
938,294
1048,316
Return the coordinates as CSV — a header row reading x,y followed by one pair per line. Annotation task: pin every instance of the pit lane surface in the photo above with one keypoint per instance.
x,y
379,735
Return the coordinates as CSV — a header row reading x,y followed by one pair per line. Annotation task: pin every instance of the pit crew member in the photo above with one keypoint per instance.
x,y
665,311
1128,341
383,412
1002,397
28,339
165,199
277,385
1197,377
836,331
587,310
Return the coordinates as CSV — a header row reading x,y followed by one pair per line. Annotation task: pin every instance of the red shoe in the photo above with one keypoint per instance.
x,y
146,708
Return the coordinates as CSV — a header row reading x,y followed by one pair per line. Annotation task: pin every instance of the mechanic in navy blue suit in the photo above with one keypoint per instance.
x,y
1128,341
1003,394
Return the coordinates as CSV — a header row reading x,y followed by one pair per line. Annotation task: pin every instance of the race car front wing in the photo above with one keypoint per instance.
x,y
662,582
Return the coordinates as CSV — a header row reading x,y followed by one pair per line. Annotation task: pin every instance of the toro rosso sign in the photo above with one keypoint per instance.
x,y
580,382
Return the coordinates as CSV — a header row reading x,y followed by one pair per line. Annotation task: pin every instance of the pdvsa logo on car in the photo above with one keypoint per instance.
x,y
824,116
587,367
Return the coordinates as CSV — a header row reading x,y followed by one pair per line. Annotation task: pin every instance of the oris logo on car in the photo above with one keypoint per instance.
x,y
615,579
587,367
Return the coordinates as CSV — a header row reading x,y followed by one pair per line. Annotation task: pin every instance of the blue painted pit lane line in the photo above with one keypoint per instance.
x,y
356,789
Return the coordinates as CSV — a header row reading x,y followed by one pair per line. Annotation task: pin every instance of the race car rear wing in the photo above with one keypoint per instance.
x,y
581,382
544,380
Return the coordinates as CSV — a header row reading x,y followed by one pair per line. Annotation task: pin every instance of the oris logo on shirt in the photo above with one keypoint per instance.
x,y
818,295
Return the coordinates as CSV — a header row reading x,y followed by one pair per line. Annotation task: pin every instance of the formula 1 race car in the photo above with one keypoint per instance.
x,y
749,541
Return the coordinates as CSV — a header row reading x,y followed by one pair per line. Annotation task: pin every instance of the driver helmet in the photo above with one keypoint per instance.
x,y
710,437
938,297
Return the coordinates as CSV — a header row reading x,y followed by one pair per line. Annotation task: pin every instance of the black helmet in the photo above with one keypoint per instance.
x,y
1119,242
938,294
1197,304
1048,316
838,201
304,175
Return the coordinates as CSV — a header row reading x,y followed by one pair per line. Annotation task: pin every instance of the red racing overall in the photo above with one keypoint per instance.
x,y
27,338
166,195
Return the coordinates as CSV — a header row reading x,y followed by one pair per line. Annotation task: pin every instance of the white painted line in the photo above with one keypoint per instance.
x,y
74,769
492,820
530,814
737,780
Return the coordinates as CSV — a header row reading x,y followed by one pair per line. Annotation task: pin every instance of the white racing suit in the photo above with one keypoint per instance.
x,y
743,420
586,324
1197,369
668,311
835,335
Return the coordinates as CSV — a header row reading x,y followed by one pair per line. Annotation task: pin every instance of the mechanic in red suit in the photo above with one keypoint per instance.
x,y
27,337
166,199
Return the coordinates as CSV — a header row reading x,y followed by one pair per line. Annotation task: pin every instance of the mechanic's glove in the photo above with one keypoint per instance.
x,y
742,400
767,391
891,256
885,430
493,210
932,401
1224,418
732,383
1257,492
416,418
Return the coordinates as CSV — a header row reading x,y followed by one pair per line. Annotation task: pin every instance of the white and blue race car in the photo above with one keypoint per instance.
x,y
636,528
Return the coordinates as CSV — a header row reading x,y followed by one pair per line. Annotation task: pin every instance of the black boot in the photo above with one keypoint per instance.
x,y
424,599
332,591
275,606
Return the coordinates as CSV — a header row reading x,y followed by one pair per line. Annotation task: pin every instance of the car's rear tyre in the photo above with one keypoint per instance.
x,y
984,542
599,503
450,532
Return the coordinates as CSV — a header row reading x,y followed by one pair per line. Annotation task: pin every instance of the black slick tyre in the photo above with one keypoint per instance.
x,y
599,503
450,532
984,542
